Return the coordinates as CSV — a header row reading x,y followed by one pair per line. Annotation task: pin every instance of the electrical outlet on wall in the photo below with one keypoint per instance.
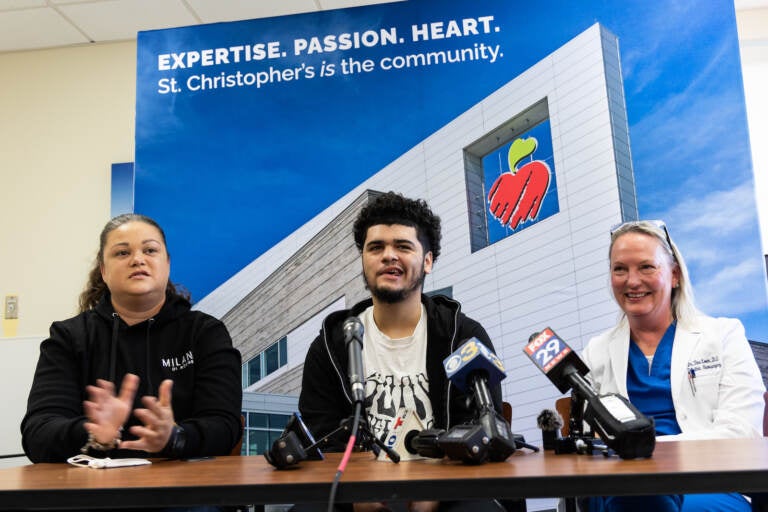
x,y
11,307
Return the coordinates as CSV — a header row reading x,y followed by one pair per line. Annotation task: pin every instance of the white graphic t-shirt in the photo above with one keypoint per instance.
x,y
396,375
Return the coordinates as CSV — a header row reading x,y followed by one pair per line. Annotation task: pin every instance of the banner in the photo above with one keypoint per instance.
x,y
246,131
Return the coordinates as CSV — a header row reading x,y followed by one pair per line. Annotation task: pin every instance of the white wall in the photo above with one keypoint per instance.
x,y
67,115
18,358
752,23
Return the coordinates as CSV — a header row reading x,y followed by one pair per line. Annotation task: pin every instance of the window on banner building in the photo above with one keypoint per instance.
x,y
261,430
510,176
268,361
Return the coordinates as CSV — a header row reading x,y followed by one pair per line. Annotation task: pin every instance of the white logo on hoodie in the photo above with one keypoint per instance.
x,y
178,363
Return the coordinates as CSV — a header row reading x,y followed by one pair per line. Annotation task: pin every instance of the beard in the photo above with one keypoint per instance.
x,y
390,296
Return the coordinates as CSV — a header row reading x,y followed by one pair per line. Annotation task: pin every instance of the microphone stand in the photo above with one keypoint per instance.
x,y
359,431
365,438
577,440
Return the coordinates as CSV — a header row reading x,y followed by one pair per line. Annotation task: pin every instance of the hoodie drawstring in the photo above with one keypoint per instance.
x,y
113,350
150,386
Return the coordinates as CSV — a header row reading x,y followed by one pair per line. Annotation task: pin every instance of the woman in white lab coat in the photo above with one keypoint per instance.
x,y
695,375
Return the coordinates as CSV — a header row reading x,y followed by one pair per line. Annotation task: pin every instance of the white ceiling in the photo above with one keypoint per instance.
x,y
35,24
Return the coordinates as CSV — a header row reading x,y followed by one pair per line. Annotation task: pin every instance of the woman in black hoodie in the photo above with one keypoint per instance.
x,y
179,376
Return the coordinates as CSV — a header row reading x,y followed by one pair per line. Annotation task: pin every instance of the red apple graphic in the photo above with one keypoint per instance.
x,y
516,196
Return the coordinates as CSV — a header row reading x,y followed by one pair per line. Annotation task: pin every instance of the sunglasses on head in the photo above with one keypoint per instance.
x,y
654,222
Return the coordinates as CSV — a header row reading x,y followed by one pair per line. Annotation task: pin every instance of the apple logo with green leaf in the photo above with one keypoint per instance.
x,y
516,195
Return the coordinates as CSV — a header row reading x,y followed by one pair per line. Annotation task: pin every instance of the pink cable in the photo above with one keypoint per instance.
x,y
347,454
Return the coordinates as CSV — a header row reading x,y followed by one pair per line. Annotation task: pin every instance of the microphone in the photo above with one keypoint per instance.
x,y
294,445
620,424
353,339
406,426
467,443
470,361
474,367
550,422
558,362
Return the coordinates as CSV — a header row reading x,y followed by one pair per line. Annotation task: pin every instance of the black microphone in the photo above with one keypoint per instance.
x,y
620,424
474,367
473,360
353,339
425,443
550,422
558,362
467,443
294,445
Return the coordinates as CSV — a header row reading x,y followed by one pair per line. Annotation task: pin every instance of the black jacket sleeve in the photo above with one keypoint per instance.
x,y
52,429
212,419
322,402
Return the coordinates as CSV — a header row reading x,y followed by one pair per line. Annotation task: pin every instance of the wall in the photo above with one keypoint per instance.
x,y
752,25
17,367
68,114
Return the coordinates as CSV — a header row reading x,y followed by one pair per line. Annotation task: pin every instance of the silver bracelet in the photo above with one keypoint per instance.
x,y
102,447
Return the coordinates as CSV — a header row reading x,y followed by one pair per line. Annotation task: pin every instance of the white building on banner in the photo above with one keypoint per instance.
x,y
549,270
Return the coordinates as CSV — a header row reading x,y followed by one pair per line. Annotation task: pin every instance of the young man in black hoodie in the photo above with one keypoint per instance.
x,y
406,335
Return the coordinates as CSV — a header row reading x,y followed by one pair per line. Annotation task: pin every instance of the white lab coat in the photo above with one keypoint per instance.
x,y
723,400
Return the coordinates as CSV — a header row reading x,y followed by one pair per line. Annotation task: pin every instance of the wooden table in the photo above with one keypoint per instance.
x,y
676,467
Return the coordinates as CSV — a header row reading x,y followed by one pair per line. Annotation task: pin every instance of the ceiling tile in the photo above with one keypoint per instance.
x,y
752,25
122,19
230,10
36,28
20,4
31,24
60,2
750,4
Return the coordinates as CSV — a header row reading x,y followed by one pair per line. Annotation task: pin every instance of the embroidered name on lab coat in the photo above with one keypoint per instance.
x,y
705,365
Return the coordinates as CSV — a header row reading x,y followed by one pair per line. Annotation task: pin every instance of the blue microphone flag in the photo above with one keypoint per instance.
x,y
470,357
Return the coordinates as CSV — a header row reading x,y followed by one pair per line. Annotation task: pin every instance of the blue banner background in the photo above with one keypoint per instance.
x,y
231,171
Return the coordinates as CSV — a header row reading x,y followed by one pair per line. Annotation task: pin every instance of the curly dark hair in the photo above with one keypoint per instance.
x,y
393,208
95,288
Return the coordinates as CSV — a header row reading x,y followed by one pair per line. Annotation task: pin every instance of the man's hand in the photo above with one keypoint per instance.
x,y
157,422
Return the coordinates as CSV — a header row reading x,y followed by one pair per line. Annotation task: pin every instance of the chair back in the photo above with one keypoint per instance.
x,y
563,406
765,414
506,411
238,448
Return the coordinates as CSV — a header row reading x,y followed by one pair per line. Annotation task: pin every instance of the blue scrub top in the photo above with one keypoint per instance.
x,y
649,389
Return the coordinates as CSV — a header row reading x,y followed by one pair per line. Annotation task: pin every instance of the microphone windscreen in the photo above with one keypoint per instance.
x,y
353,329
549,419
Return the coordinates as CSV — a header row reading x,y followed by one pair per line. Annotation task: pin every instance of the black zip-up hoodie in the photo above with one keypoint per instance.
x,y
189,347
325,398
